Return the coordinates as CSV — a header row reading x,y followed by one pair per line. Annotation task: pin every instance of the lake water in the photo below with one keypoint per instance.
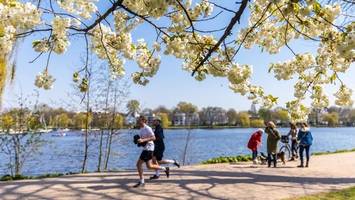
x,y
65,154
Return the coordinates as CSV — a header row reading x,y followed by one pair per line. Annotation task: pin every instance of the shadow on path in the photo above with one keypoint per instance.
x,y
80,186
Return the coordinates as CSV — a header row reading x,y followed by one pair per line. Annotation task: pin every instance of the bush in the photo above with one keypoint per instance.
x,y
21,177
228,159
332,152
257,123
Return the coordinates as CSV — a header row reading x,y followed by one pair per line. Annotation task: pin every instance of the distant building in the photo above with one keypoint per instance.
x,y
183,119
179,119
253,109
214,116
192,119
131,118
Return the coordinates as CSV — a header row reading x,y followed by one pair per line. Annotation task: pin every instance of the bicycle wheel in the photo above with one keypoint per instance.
x,y
287,152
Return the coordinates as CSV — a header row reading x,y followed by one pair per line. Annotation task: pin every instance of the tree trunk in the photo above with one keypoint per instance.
x,y
108,149
100,151
109,141
188,138
86,145
17,147
103,128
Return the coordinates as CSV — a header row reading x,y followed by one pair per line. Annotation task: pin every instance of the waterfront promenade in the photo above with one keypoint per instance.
x,y
220,181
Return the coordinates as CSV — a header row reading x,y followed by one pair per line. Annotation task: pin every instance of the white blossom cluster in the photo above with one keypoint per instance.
x,y
297,110
106,44
320,99
154,8
83,8
343,96
44,80
15,17
283,21
60,39
298,65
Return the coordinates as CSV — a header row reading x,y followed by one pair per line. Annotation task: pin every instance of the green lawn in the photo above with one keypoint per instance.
x,y
346,194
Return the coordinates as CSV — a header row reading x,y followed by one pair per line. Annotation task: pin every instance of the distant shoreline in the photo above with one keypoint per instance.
x,y
233,127
169,128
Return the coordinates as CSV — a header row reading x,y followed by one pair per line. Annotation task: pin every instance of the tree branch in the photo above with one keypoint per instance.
x,y
114,6
227,32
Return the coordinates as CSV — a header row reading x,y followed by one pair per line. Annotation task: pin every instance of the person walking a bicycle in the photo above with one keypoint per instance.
x,y
294,144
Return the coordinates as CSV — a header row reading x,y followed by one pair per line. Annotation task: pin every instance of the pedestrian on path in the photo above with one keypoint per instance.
x,y
159,148
305,139
273,137
293,133
254,143
146,137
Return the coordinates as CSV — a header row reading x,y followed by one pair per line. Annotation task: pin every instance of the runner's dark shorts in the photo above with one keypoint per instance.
x,y
159,153
146,155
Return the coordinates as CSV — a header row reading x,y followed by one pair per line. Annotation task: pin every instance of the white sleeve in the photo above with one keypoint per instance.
x,y
150,131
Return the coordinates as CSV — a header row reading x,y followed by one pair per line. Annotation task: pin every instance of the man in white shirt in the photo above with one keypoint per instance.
x,y
147,136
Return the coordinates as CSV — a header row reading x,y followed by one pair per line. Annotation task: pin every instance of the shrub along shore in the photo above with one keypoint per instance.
x,y
246,158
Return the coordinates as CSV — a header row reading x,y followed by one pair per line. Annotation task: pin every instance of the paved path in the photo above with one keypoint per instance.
x,y
221,181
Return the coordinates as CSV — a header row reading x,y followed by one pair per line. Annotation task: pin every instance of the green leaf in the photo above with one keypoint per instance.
x,y
270,68
317,7
333,78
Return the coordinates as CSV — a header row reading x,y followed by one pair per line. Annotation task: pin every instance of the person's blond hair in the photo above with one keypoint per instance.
x,y
271,124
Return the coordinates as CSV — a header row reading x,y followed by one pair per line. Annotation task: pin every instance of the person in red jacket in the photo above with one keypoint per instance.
x,y
254,143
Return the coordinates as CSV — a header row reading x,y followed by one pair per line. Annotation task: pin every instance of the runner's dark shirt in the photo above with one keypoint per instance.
x,y
159,137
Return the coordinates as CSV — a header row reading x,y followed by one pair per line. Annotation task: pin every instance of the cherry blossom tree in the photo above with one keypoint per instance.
x,y
273,24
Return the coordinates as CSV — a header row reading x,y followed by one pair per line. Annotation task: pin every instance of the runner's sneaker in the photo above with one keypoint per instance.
x,y
176,163
154,177
139,184
167,172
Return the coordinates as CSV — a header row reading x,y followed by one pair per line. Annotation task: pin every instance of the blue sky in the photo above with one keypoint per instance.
x,y
171,84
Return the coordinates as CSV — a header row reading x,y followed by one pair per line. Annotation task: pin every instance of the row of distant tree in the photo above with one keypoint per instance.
x,y
48,117
333,116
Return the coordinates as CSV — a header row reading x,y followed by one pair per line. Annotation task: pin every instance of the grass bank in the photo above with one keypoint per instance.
x,y
228,159
345,194
21,177
246,158
333,152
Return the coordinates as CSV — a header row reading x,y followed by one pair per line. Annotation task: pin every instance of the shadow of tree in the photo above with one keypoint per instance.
x,y
97,185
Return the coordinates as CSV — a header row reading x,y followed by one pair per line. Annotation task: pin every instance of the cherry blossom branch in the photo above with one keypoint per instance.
x,y
145,19
259,22
286,44
227,32
298,31
114,6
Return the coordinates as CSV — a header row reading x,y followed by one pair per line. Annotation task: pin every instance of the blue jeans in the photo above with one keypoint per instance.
x,y
294,148
302,148
254,154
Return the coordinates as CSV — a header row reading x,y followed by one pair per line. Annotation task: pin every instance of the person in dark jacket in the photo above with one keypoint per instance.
x,y
160,148
305,140
273,137
293,133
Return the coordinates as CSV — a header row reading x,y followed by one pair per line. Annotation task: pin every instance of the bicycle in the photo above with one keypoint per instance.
x,y
286,147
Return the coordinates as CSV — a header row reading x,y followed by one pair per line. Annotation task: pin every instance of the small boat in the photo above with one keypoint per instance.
x,y
59,134
44,130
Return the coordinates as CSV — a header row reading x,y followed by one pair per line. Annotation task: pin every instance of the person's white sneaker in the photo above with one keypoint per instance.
x,y
255,162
